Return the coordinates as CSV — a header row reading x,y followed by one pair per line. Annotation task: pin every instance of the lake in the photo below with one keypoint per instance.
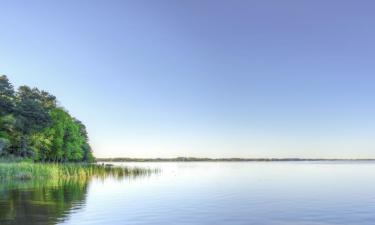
x,y
259,193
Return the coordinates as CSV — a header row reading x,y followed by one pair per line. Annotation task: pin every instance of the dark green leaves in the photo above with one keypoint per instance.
x,y
32,125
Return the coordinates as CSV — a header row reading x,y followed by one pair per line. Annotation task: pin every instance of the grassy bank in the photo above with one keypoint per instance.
x,y
28,170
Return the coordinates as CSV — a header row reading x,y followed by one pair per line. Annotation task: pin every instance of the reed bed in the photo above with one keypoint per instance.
x,y
26,170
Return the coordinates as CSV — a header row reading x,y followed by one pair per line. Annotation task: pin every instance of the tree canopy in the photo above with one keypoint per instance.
x,y
33,125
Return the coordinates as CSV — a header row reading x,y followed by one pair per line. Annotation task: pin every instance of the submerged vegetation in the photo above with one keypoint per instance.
x,y
25,171
34,126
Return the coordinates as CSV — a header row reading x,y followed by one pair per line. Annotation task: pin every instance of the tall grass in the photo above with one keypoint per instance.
x,y
26,170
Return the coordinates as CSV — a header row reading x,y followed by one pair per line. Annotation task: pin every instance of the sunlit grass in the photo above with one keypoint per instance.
x,y
27,170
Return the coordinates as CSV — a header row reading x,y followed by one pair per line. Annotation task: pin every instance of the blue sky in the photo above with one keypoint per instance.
x,y
203,78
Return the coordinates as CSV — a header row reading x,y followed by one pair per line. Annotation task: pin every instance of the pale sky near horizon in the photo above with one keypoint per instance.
x,y
203,78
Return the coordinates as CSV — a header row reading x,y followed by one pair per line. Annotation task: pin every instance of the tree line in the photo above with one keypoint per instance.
x,y
33,125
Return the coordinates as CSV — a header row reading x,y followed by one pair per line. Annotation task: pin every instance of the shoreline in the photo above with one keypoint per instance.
x,y
195,159
30,170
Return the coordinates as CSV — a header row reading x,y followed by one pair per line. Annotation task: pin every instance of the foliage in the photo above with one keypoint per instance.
x,y
25,170
32,125
6,95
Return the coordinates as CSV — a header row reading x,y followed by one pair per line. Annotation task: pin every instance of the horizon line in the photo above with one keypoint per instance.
x,y
191,159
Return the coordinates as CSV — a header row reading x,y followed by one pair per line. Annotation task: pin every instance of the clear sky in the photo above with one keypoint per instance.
x,y
206,78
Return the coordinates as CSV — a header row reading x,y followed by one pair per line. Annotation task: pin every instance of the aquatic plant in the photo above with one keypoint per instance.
x,y
26,170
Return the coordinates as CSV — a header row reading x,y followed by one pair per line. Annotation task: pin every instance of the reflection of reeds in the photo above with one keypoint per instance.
x,y
48,200
24,171
47,193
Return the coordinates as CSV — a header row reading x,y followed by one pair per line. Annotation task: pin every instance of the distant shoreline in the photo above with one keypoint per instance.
x,y
196,159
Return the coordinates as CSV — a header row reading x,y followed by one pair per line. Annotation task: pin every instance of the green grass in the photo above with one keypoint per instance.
x,y
27,170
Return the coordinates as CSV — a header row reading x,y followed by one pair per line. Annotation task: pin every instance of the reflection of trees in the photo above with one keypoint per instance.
x,y
40,202
47,202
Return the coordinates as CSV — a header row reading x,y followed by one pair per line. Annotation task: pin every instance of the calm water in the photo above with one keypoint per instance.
x,y
203,193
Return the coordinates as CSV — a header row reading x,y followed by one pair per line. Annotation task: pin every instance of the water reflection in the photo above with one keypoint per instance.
x,y
202,193
40,202
46,201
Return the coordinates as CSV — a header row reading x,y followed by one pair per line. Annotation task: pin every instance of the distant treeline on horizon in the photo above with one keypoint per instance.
x,y
197,159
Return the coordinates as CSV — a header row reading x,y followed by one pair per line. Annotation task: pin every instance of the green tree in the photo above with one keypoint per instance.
x,y
6,96
73,141
6,110
87,151
62,140
32,125
6,133
31,116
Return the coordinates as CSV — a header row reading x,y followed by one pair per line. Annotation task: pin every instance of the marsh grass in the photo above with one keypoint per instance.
x,y
27,170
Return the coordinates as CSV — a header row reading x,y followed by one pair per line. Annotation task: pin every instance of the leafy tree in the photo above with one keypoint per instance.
x,y
6,133
87,151
31,116
4,144
33,125
64,137
72,142
6,96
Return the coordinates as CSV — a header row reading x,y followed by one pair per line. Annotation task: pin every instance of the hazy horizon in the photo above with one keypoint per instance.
x,y
217,79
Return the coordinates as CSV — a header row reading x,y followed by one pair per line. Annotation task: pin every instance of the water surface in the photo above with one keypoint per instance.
x,y
266,193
